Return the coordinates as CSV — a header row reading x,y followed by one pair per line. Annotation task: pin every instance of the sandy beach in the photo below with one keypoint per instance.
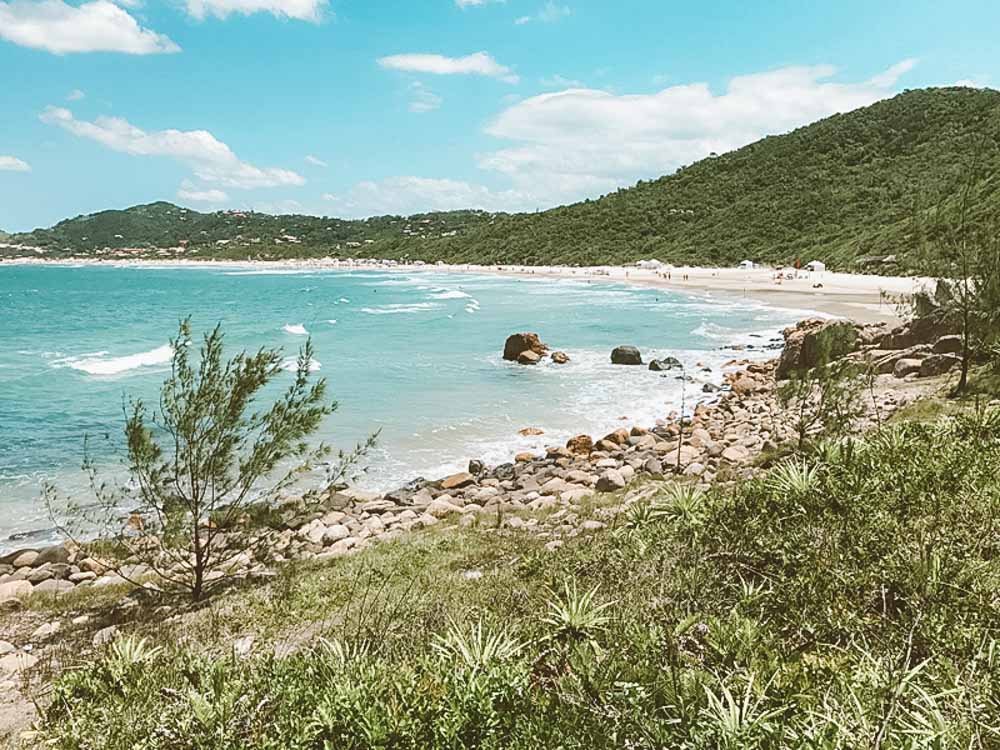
x,y
861,297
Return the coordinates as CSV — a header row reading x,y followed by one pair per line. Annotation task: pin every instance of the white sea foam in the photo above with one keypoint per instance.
x,y
332,322
399,309
295,330
291,364
450,294
99,364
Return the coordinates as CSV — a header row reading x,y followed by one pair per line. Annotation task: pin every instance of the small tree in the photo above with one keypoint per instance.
x,y
824,397
968,259
199,462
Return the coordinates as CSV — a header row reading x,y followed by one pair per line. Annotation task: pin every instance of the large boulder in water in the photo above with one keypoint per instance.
x,y
626,355
518,343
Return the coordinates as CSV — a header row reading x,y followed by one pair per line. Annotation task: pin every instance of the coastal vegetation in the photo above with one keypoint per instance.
x,y
844,598
857,190
205,459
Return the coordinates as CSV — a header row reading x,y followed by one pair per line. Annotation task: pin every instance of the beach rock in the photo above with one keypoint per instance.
x,y
665,364
905,367
54,554
13,592
528,358
529,432
522,342
14,664
524,458
710,388
938,364
104,636
335,533
917,331
560,358
581,445
815,341
25,559
626,355
948,345
743,385
54,587
441,508
886,363
39,575
476,467
618,437
610,481
7,648
46,630
457,481
736,454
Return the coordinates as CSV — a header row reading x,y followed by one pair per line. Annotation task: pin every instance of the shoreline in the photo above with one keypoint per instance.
x,y
724,282
860,297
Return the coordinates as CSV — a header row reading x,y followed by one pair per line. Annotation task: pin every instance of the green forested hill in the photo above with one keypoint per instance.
x,y
845,188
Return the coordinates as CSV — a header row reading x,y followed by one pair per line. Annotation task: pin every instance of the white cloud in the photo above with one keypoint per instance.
x,y
97,26
315,161
410,195
475,3
890,75
480,63
551,12
424,100
13,164
575,143
211,160
301,10
188,191
971,83
75,95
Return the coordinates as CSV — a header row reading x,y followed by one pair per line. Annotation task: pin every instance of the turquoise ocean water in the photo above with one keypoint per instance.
x,y
415,354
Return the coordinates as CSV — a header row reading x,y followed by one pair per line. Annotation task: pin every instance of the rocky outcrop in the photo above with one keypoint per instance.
x,y
814,341
528,357
626,355
938,364
917,331
906,367
948,344
518,343
560,358
581,445
666,364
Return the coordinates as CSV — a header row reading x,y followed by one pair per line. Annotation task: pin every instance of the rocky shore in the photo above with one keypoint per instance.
x,y
719,440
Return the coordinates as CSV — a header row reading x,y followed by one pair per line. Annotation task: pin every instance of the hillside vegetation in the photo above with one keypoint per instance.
x,y
847,189
845,599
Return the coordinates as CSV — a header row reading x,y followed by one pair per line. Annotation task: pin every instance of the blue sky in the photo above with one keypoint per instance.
x,y
361,107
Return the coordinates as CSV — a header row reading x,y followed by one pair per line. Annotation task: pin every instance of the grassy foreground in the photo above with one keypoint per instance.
x,y
848,600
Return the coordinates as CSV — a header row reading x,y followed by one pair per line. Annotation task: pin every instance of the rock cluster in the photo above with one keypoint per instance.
x,y
525,348
920,348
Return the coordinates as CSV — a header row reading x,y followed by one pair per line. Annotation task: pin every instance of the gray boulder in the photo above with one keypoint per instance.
x,y
626,355
906,367
948,345
938,364
665,364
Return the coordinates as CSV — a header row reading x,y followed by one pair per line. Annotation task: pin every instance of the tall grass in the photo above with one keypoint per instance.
x,y
847,599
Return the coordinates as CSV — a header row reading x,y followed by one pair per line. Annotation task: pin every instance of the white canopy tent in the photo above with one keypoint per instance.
x,y
815,265
747,265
